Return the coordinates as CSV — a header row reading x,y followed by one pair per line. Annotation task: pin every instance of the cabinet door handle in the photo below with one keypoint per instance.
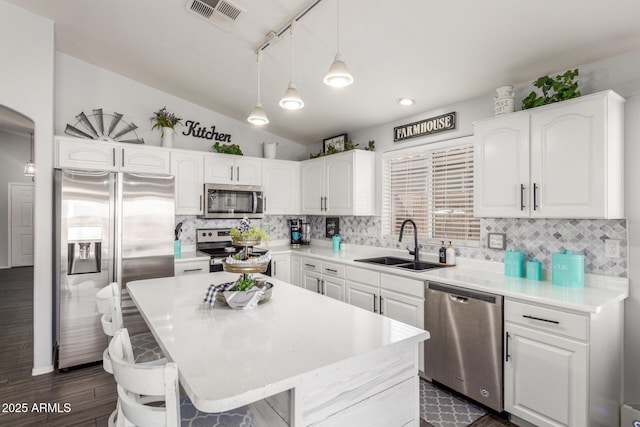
x,y
325,204
200,203
506,348
541,319
113,161
521,197
274,269
122,159
375,298
231,173
192,269
535,200
264,204
238,173
318,285
321,204
381,301
322,287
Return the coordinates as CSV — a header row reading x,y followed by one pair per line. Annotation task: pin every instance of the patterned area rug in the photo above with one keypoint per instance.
x,y
439,408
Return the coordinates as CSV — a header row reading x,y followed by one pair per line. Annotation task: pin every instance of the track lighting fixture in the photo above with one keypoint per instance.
x,y
338,74
291,99
258,117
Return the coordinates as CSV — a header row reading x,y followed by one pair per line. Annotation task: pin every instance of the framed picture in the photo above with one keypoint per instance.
x,y
336,143
332,227
496,241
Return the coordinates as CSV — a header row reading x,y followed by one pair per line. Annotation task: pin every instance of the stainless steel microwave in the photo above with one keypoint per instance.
x,y
233,201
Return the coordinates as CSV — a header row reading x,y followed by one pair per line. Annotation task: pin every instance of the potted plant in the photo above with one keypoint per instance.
x,y
227,148
556,89
248,235
167,122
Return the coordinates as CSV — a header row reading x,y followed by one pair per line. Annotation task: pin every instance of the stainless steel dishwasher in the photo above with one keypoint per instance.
x,y
465,349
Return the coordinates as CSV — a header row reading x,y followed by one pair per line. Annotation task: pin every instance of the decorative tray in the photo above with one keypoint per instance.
x,y
245,268
265,296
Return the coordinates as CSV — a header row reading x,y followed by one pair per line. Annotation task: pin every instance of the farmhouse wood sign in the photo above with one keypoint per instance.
x,y
425,127
194,129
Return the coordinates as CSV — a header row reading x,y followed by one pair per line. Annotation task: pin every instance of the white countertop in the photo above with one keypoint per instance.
x,y
483,276
191,255
228,358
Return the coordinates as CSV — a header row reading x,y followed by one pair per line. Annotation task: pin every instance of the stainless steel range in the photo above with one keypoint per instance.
x,y
217,243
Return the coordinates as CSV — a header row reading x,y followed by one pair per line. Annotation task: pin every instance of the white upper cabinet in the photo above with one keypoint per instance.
x,y
231,169
563,160
187,167
339,184
135,158
281,182
76,153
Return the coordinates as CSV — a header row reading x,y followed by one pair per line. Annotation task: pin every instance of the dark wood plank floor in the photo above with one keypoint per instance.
x,y
89,392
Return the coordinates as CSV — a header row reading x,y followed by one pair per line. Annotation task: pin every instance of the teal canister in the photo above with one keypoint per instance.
x,y
567,269
514,263
177,248
534,270
335,242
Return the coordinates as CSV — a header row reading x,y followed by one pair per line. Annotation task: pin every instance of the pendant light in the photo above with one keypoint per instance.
x,y
338,74
30,167
291,99
258,117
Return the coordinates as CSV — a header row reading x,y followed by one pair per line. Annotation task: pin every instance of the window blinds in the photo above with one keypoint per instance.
x,y
434,188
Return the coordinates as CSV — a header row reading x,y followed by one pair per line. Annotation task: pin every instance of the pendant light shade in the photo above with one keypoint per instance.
x,y
258,117
291,99
338,74
30,167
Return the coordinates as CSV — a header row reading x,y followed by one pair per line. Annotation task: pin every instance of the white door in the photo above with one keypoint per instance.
x,y
311,281
339,185
333,288
281,267
545,378
568,158
281,181
21,223
248,171
361,295
219,169
313,187
189,189
501,157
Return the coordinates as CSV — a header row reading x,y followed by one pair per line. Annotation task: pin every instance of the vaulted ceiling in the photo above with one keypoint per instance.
x,y
437,52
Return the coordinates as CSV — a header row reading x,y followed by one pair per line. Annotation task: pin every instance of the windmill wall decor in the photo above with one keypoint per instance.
x,y
94,128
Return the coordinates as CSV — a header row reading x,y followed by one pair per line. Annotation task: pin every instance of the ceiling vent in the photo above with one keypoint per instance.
x,y
222,13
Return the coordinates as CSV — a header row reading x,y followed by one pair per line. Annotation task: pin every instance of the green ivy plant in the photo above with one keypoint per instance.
x,y
348,145
244,284
556,89
227,148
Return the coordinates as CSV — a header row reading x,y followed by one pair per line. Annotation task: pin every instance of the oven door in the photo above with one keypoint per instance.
x,y
233,201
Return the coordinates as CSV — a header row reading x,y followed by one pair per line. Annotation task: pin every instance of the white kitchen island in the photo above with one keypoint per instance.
x,y
329,363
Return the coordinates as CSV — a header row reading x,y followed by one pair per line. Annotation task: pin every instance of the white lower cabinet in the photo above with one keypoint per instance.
x,y
562,368
281,267
323,277
296,270
191,267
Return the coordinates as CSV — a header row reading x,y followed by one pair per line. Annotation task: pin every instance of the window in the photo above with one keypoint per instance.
x,y
433,186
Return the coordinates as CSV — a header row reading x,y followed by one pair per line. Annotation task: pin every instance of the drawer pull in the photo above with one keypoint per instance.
x,y
541,319
331,270
192,269
310,265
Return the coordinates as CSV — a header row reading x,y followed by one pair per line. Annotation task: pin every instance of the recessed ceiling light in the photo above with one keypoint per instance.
x,y
405,102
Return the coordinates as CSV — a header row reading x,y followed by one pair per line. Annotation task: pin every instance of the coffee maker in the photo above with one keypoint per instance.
x,y
295,226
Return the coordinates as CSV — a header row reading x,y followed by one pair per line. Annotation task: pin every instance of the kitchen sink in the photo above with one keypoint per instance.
x,y
420,266
385,260
402,263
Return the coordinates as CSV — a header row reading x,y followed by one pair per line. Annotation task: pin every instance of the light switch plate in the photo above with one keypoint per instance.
x,y
611,248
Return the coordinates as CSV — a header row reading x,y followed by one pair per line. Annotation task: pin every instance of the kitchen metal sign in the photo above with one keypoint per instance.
x,y
425,127
194,129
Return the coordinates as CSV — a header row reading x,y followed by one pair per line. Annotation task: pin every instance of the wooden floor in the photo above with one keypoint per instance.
x,y
89,392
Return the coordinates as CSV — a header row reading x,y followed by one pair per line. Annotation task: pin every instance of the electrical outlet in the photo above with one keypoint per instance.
x,y
611,248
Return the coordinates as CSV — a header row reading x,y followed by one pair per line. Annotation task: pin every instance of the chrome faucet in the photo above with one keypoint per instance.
x,y
415,252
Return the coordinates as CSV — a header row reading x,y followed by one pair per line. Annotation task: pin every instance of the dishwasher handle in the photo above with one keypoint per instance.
x,y
459,299
464,295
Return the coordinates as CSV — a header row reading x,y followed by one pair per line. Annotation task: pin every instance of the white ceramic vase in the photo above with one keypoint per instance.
x,y
504,101
269,150
167,137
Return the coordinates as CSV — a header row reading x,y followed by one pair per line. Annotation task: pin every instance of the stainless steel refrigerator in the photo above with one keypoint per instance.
x,y
110,226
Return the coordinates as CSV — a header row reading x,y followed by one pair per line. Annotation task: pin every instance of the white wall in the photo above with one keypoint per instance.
x,y
620,73
27,87
16,150
81,86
